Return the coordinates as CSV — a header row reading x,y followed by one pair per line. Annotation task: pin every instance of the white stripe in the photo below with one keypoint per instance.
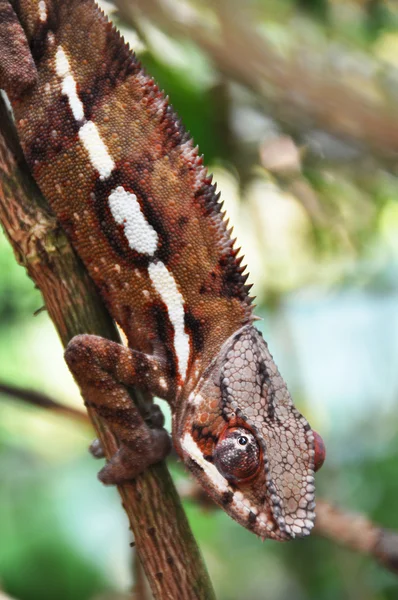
x,y
61,63
241,504
69,89
68,84
42,11
97,151
126,211
165,285
192,449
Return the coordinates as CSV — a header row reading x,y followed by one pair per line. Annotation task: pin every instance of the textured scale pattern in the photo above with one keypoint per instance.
x,y
246,390
138,146
129,187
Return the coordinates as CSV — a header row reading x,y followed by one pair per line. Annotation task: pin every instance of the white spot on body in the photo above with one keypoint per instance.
x,y
42,11
68,84
126,211
88,132
69,90
61,63
165,285
195,399
97,150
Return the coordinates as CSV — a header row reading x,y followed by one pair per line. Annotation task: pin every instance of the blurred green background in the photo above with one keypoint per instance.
x,y
294,104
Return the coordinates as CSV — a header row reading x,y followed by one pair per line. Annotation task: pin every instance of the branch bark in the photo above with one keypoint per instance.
x,y
351,530
166,546
42,401
357,532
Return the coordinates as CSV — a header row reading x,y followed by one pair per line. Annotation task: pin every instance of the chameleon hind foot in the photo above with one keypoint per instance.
x,y
129,461
96,450
154,419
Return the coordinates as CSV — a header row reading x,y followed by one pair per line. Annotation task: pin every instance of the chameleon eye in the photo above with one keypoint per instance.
x,y
237,455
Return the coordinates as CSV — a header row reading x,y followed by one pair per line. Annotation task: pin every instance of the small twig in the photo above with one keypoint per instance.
x,y
352,530
357,532
43,401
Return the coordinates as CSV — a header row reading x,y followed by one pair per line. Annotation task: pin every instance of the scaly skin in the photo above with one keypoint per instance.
x,y
128,186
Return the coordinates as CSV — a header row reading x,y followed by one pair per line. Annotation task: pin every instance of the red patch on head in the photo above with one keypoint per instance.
x,y
320,451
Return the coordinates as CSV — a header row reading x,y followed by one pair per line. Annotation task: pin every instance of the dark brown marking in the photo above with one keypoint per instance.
x,y
252,518
120,416
197,433
192,465
165,333
195,329
182,221
40,150
115,71
227,498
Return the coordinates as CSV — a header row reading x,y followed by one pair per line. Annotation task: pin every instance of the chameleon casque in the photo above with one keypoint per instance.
x,y
128,186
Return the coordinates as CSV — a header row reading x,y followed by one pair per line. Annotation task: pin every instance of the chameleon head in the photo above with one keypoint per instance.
x,y
248,445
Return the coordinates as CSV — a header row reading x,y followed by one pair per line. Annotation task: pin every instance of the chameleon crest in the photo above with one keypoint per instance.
x,y
128,186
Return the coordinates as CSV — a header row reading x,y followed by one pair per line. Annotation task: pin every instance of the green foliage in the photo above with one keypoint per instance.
x,y
37,560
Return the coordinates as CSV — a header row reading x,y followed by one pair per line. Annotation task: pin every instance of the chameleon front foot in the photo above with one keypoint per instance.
x,y
130,461
103,370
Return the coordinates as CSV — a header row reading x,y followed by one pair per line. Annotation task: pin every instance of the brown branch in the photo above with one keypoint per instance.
x,y
300,90
357,532
140,590
352,530
42,401
164,541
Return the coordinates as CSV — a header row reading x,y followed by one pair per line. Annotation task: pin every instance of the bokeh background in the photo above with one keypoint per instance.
x,y
294,104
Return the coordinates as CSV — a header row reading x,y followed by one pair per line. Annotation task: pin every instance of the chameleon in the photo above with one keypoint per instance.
x,y
127,184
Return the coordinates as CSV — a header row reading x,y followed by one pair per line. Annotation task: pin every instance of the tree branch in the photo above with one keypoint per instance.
x,y
164,541
357,532
42,401
352,530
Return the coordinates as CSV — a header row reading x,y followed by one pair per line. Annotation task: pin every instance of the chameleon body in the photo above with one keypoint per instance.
x,y
128,186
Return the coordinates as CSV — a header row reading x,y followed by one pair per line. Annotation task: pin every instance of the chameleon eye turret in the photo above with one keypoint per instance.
x,y
237,454
128,185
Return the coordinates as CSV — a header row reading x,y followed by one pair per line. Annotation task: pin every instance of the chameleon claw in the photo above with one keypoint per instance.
x,y
155,418
129,462
96,449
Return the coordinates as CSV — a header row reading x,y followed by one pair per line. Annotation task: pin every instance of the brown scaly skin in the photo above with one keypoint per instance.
x,y
128,186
